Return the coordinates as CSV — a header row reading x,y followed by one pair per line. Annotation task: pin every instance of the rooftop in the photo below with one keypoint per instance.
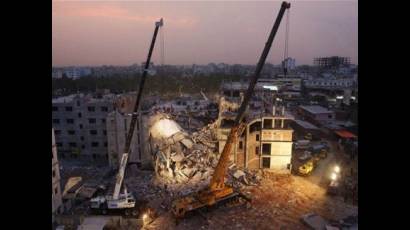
x,y
315,109
306,125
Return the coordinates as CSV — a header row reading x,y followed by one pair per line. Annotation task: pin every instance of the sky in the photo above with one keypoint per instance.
x,y
199,32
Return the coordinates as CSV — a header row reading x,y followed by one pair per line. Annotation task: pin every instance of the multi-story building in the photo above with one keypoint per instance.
x,y
118,124
316,114
80,125
332,62
331,83
56,197
267,139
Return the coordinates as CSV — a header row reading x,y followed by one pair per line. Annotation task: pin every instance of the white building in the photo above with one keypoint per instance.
x,y
118,125
56,197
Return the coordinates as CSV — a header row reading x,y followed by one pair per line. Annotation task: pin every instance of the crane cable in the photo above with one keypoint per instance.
x,y
162,45
285,55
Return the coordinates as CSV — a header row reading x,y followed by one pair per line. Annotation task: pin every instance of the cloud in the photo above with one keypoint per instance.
x,y
115,12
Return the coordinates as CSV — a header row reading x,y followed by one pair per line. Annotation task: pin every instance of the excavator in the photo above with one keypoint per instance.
x,y
125,202
217,191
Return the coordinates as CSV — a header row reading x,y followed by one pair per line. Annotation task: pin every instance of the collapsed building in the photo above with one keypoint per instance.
x,y
179,157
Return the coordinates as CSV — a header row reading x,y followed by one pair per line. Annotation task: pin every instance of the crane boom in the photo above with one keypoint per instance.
x,y
124,159
217,181
141,87
217,191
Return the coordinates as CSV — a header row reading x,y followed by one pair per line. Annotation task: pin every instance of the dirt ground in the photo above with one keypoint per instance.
x,y
277,203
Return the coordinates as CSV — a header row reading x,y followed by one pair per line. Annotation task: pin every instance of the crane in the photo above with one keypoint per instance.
x,y
126,201
218,191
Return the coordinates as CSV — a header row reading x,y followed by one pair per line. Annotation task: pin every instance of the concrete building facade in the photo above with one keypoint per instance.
x,y
56,197
267,139
118,125
80,125
316,114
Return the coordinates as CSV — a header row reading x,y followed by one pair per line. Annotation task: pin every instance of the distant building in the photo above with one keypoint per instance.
x,y
331,62
75,72
56,73
80,125
289,63
331,83
56,196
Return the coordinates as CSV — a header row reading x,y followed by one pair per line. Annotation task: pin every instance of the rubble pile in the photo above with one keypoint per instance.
x,y
241,178
182,161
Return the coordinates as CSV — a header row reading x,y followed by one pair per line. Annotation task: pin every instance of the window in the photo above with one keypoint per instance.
x,y
105,144
91,108
94,144
55,109
70,121
79,115
257,137
81,126
83,146
56,121
68,108
57,132
59,144
266,162
82,138
103,120
92,120
257,150
105,132
267,123
329,116
278,123
266,149
94,155
71,132
54,173
104,109
93,132
72,144
240,145
78,103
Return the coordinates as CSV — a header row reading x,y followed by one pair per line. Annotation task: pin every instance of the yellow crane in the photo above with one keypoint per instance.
x,y
218,191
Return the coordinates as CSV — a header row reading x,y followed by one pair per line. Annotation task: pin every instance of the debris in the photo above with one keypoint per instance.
x,y
238,174
314,221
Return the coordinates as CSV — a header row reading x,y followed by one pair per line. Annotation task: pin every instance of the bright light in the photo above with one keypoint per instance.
x,y
271,87
337,169
333,176
353,97
339,97
145,216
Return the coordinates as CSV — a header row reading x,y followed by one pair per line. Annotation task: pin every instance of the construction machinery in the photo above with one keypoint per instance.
x,y
217,191
334,185
125,202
